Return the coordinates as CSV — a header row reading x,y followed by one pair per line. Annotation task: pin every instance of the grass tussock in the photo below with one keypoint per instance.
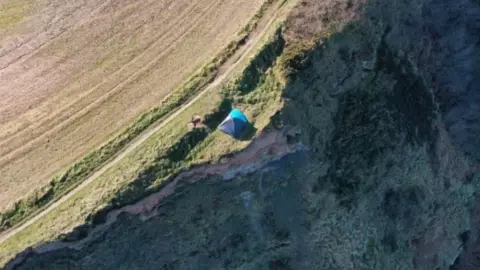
x,y
77,173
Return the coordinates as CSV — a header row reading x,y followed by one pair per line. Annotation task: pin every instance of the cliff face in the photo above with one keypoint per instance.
x,y
387,107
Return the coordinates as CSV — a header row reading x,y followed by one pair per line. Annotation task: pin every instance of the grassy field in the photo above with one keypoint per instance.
x,y
93,70
164,152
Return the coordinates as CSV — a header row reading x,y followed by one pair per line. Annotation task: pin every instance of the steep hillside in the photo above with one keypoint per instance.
x,y
373,165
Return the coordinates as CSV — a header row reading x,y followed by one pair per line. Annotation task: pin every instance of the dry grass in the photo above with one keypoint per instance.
x,y
89,73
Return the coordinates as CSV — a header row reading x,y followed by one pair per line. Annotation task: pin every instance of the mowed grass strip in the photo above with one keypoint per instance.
x,y
60,185
174,148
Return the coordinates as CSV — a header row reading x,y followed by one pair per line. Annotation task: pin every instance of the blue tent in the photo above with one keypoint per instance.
x,y
234,124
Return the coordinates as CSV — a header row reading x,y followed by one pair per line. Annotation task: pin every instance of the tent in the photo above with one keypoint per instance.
x,y
234,124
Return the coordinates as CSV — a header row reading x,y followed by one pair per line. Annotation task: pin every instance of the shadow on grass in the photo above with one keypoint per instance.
x,y
183,147
248,133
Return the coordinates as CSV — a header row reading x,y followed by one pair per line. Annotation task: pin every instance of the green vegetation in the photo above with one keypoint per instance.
x,y
60,185
369,119
13,12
